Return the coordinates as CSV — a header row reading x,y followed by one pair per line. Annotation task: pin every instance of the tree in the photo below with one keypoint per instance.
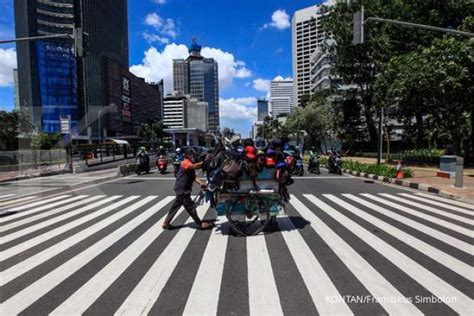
x,y
46,141
152,130
12,125
361,65
436,86
316,119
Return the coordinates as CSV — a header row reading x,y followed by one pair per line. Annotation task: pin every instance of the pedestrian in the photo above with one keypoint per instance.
x,y
183,187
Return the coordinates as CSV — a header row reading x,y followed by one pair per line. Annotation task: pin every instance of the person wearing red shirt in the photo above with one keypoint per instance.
x,y
183,188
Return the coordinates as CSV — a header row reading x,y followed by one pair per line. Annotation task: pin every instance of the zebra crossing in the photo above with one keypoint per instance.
x,y
400,253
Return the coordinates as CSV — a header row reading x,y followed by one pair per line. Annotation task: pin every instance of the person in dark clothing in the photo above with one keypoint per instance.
x,y
183,188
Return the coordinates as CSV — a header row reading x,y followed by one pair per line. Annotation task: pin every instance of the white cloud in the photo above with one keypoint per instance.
x,y
280,20
159,1
7,64
280,78
238,108
262,85
151,38
159,64
165,27
153,19
229,68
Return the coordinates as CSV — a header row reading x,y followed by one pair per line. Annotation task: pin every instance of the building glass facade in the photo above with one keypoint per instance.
x,y
262,109
198,77
57,84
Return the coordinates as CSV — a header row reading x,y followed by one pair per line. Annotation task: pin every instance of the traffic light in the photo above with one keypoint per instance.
x,y
358,27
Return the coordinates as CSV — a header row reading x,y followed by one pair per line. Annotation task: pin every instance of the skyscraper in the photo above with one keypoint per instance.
x,y
198,77
262,109
48,84
281,97
307,34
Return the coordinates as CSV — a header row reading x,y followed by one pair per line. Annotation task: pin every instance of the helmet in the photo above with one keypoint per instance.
x,y
161,147
178,150
142,148
260,143
333,148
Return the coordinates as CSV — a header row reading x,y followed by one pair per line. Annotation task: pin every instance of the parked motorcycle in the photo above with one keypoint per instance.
x,y
314,164
162,164
143,164
335,163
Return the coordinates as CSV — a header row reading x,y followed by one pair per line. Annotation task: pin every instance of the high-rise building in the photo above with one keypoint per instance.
x,y
197,115
262,109
134,101
320,70
198,77
16,94
281,97
175,111
307,34
48,84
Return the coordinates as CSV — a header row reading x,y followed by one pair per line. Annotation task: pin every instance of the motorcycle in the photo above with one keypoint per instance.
x,y
299,170
162,164
335,164
313,164
143,164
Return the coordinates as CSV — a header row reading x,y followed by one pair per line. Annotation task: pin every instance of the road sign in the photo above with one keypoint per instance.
x,y
65,124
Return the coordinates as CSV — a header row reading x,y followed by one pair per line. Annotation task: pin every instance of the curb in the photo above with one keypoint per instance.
x,y
405,183
35,175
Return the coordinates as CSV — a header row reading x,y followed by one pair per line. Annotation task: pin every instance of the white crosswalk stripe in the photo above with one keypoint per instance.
x,y
9,202
375,283
428,208
411,211
423,276
28,219
29,206
444,205
263,293
317,281
446,201
141,299
452,263
204,296
61,229
4,196
459,244
398,215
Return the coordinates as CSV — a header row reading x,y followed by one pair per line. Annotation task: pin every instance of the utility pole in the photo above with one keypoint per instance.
x,y
380,142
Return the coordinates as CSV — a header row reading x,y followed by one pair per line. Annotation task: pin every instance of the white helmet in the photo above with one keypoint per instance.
x,y
178,150
161,147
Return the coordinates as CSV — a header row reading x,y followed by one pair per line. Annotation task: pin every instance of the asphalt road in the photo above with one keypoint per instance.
x,y
346,246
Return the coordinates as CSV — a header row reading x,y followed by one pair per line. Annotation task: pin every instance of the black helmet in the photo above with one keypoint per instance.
x,y
260,143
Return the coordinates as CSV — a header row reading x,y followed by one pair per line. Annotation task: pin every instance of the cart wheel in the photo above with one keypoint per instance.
x,y
251,223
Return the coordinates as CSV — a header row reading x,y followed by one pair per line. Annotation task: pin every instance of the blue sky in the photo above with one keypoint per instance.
x,y
250,39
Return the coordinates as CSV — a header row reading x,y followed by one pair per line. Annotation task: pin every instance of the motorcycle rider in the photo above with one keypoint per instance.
x,y
179,154
161,151
313,160
143,154
183,187
333,155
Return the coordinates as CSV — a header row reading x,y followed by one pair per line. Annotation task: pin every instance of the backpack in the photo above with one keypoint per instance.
x,y
231,169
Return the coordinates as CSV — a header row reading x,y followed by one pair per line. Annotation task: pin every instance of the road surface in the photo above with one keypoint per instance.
x,y
346,246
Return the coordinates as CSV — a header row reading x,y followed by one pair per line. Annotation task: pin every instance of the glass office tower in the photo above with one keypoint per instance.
x,y
198,77
47,70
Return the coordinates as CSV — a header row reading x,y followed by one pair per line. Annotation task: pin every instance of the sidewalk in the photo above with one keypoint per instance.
x,y
30,173
427,176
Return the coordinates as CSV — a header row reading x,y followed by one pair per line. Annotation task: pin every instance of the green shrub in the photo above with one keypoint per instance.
x,y
420,156
379,170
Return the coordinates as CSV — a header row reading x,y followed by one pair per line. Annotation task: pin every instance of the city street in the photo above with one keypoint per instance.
x,y
346,246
